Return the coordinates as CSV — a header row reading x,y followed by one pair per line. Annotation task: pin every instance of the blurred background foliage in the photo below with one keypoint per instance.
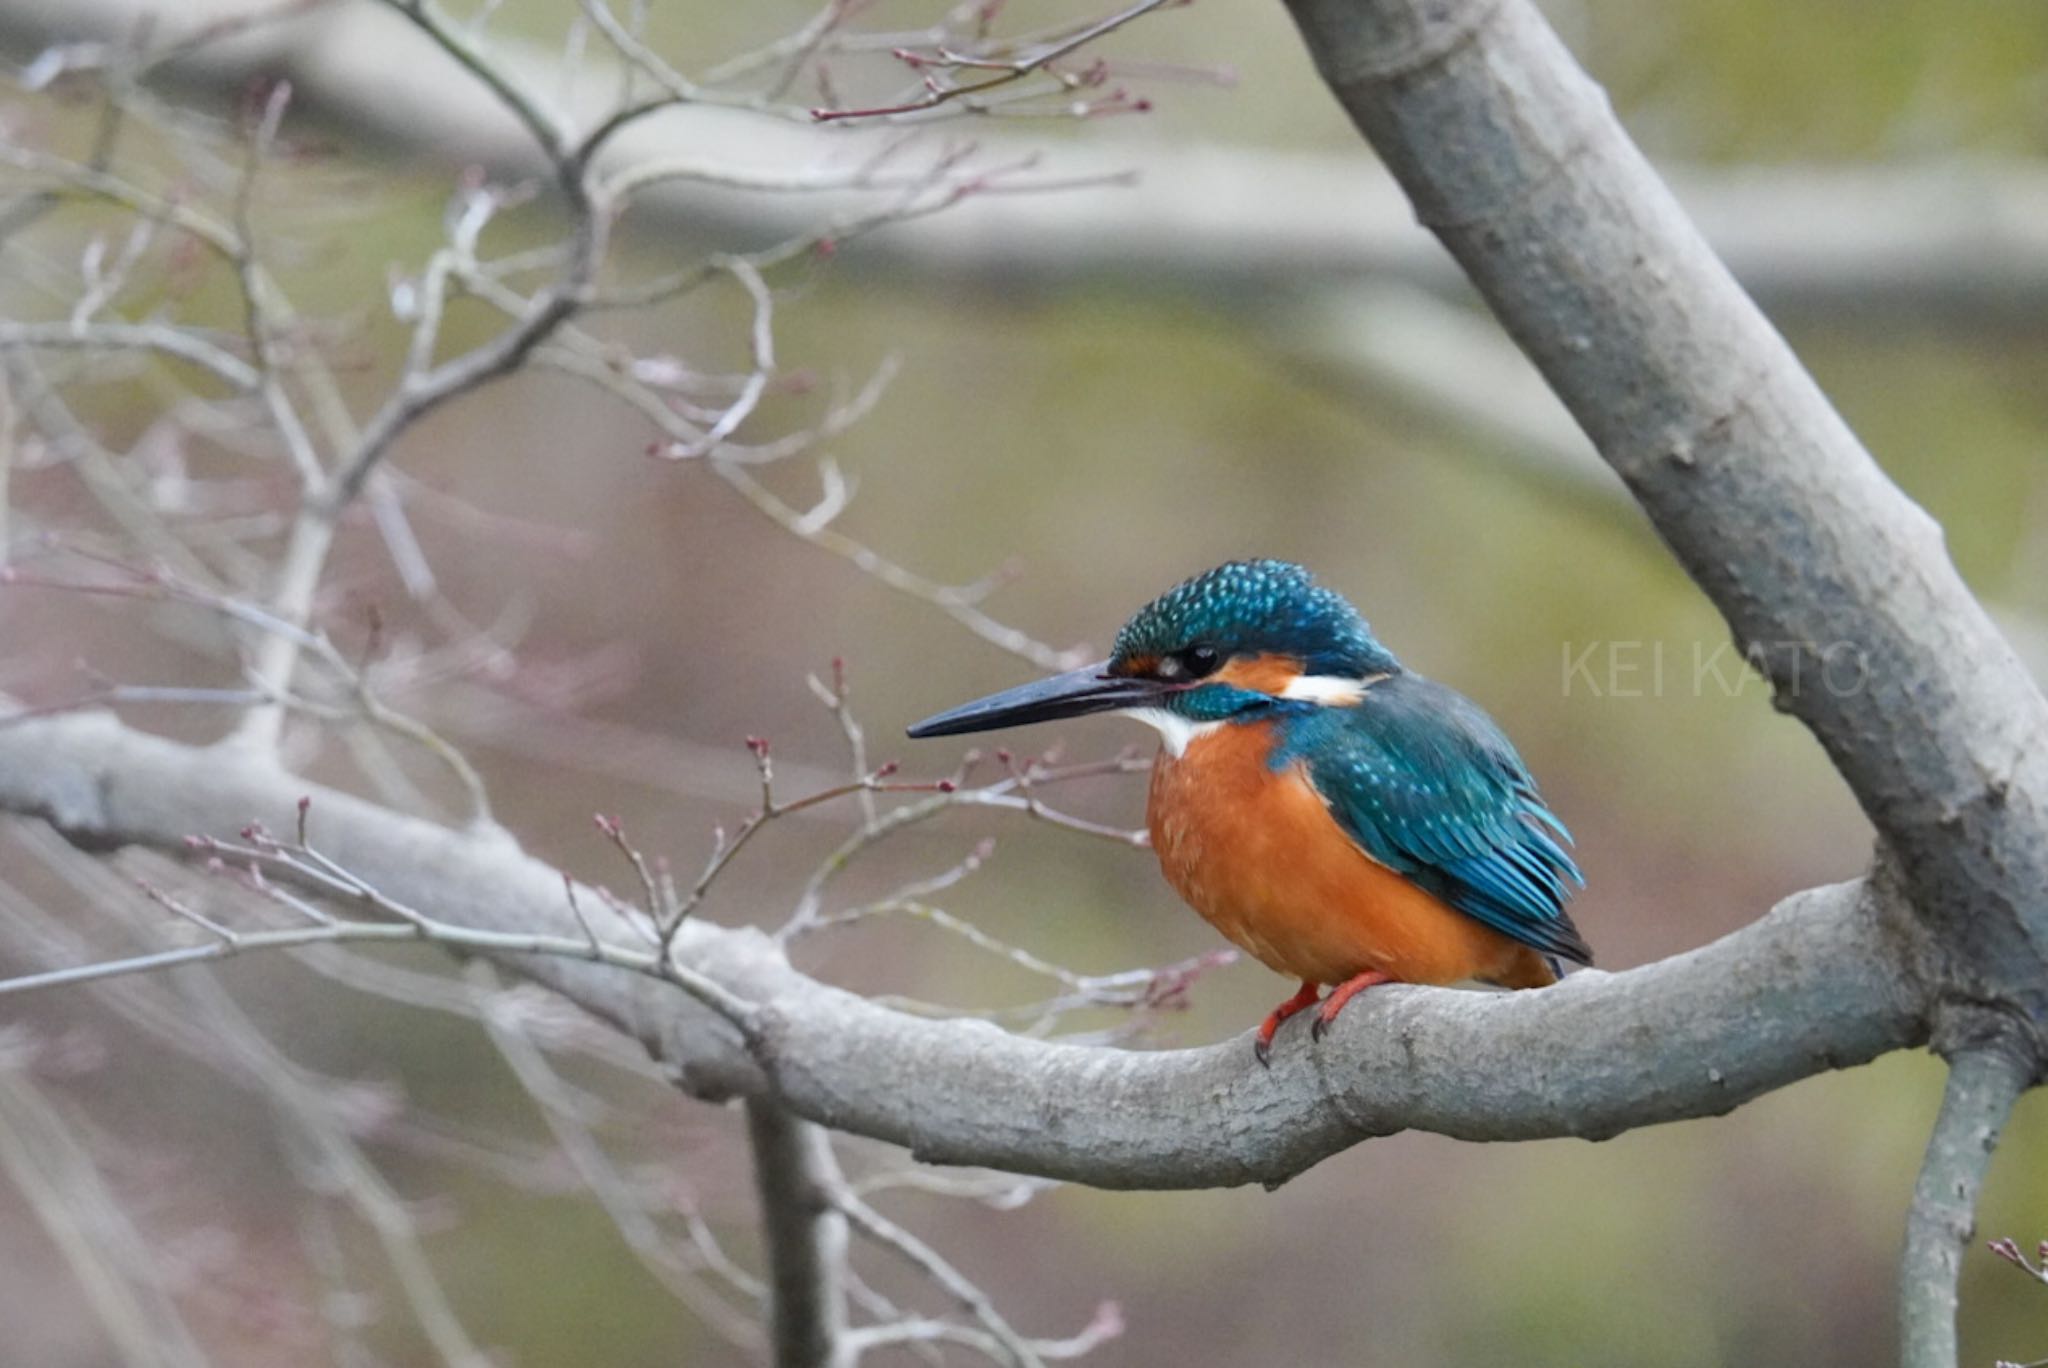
x,y
1111,440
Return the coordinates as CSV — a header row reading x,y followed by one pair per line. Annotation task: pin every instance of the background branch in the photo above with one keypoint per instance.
x,y
1984,1080
88,1223
1957,240
794,1173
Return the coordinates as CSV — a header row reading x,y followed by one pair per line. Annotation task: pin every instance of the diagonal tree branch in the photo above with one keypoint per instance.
x,y
1834,582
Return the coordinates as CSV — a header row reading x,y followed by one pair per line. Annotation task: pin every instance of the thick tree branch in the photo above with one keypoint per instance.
x,y
805,1234
1984,1081
1818,984
1834,582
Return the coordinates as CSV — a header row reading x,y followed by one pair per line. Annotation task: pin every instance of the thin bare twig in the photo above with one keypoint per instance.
x,y
186,344
306,865
1016,1350
49,1166
955,602
197,1018
1006,70
656,1251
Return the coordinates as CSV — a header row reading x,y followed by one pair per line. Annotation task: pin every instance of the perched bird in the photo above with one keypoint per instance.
x,y
1343,820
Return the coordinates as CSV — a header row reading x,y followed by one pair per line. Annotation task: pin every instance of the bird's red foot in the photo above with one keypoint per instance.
x,y
1341,994
1262,1043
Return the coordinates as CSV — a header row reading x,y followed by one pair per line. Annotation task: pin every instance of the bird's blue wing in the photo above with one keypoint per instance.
x,y
1428,786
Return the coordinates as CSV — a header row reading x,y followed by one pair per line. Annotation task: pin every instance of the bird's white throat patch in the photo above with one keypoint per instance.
x,y
1176,731
1333,691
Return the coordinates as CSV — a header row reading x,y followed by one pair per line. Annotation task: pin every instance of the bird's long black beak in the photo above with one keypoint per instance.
x,y
1089,689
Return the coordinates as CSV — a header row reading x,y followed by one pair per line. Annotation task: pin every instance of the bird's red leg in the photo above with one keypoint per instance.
x,y
1341,994
1262,1043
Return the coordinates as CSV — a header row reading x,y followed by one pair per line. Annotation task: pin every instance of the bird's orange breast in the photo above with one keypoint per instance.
x,y
1257,852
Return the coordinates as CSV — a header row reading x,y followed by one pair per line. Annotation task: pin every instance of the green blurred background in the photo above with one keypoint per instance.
x,y
1112,438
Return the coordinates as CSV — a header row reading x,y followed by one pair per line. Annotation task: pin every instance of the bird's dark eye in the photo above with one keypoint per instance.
x,y
1200,659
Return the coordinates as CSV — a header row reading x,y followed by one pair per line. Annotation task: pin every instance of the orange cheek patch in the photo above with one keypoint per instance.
x,y
1268,674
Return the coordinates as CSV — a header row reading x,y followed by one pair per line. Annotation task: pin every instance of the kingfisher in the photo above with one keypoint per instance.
x,y
1340,818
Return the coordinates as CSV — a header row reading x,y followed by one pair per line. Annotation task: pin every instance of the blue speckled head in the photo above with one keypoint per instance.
x,y
1226,646
1256,607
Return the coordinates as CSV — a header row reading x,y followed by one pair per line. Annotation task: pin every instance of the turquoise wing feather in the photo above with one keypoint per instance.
x,y
1427,785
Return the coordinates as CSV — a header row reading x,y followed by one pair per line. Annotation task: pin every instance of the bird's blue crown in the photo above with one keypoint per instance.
x,y
1258,607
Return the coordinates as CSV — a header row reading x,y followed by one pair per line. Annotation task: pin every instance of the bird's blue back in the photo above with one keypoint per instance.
x,y
1421,778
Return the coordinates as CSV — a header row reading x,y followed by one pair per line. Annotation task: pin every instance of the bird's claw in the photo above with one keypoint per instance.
x,y
1326,1015
1262,1040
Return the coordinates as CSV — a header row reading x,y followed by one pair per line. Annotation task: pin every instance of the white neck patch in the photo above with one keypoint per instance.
x,y
1332,691
1176,731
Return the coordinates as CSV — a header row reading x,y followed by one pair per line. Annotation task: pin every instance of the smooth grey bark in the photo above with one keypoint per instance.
x,y
1821,982
1983,1084
805,1235
1834,583
1838,586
